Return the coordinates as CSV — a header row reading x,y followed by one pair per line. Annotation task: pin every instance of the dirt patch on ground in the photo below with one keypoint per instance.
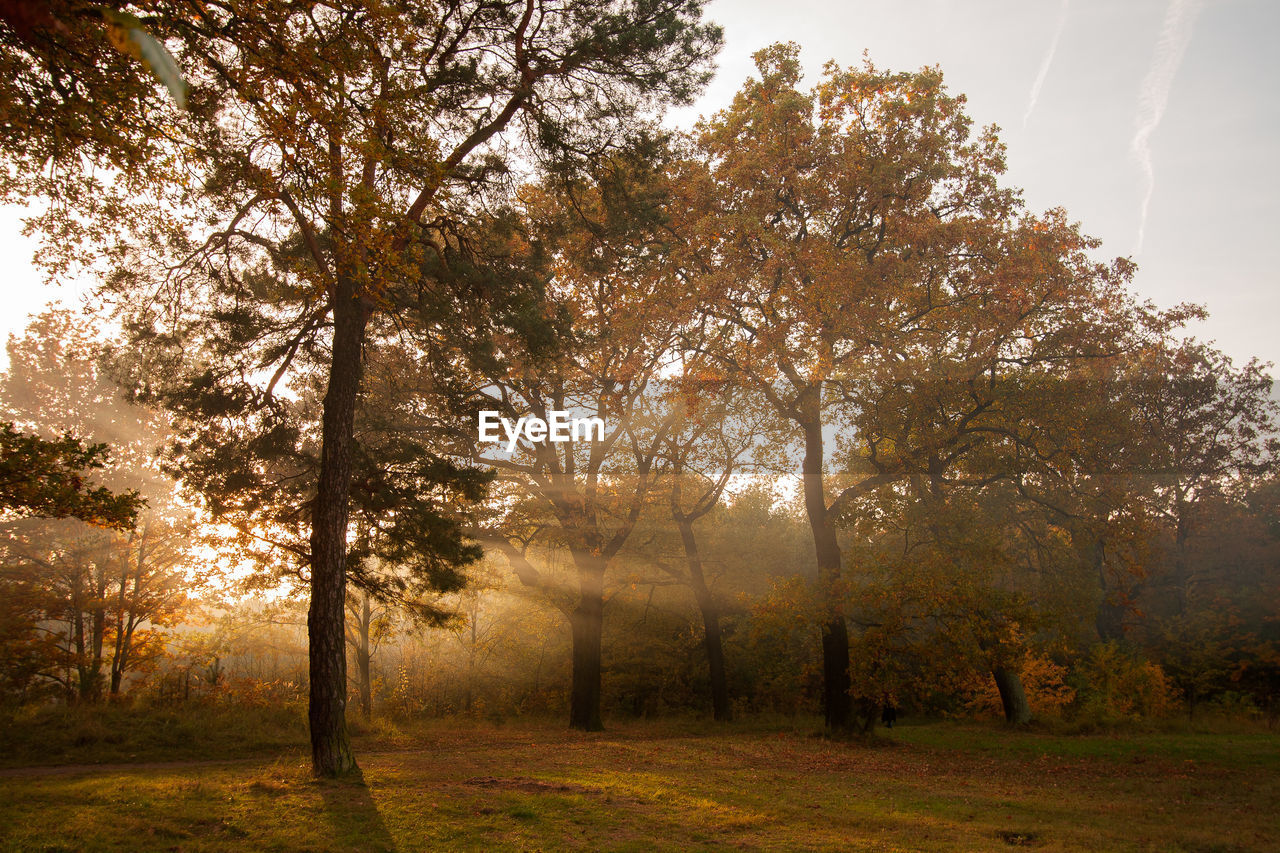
x,y
533,786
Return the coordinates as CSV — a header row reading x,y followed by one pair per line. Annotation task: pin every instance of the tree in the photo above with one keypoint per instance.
x,y
56,385
99,598
339,155
1210,428
587,496
47,478
1209,433
74,103
788,254
151,593
862,263
370,624
954,576
707,445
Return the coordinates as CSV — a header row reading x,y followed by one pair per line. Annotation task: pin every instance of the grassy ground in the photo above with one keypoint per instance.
x,y
676,786
120,733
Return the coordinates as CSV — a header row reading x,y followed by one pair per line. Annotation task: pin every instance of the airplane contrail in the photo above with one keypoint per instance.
x,y
1153,97
1047,61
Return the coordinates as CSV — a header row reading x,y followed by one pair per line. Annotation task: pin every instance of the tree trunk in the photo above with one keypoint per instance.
x,y
90,628
710,623
1109,620
587,622
1012,696
330,746
118,653
837,705
1181,564
363,658
124,650
126,625
99,626
81,655
468,696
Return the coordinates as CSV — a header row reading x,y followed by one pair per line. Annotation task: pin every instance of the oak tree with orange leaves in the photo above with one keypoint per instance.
x,y
868,275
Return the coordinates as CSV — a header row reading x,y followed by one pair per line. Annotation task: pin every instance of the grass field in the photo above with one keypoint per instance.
x,y
673,786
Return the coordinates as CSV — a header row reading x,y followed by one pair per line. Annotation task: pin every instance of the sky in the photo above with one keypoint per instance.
x,y
1153,122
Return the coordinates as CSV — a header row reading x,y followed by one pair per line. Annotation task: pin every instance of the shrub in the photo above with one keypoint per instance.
x,y
1114,684
1044,681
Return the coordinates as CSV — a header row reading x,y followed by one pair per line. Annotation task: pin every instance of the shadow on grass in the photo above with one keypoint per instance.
x,y
351,809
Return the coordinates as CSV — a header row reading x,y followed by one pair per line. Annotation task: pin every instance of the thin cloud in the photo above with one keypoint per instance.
x,y
1047,61
1175,35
